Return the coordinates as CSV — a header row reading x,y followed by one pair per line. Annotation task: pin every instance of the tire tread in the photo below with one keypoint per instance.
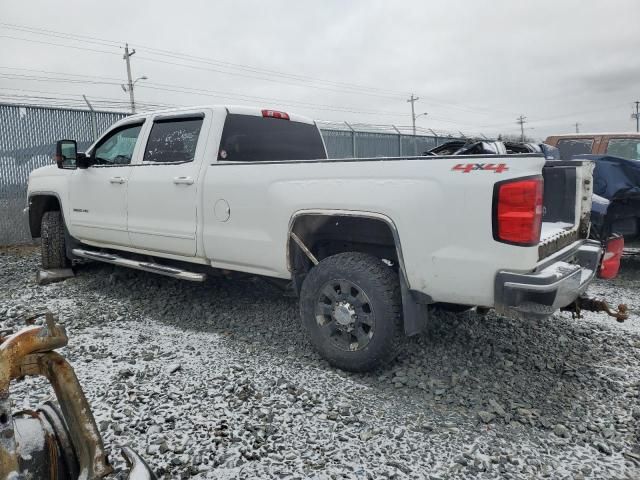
x,y
52,241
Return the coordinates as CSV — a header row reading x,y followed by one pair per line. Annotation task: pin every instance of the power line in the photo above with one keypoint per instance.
x,y
246,70
234,96
34,78
100,77
195,91
179,55
327,84
112,101
58,44
349,89
65,35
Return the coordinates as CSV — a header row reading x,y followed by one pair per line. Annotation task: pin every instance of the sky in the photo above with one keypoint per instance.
x,y
475,65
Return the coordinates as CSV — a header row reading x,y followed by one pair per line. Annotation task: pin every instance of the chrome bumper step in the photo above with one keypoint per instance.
x,y
145,266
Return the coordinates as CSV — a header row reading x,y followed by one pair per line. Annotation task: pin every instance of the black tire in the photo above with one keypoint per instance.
x,y
52,239
351,307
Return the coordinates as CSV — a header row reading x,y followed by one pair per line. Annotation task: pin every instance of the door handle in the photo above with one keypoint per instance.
x,y
183,180
117,180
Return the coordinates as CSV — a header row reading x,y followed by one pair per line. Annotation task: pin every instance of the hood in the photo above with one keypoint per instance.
x,y
47,171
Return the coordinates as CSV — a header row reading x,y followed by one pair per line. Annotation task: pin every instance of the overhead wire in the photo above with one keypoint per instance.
x,y
260,73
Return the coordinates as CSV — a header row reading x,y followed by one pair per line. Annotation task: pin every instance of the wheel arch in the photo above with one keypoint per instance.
x,y
328,232
39,203
315,227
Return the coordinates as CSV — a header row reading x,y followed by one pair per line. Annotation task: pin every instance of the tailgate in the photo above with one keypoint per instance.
x,y
568,186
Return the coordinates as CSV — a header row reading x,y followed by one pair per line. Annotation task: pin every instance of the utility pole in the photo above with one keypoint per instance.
x,y
126,57
412,101
637,115
577,127
94,123
521,120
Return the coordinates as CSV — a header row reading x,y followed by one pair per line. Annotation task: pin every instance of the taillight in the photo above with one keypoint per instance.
x,y
517,211
275,114
611,259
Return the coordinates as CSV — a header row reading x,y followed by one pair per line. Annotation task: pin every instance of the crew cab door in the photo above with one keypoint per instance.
x,y
163,189
98,194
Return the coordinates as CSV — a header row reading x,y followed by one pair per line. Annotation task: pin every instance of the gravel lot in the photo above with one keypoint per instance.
x,y
217,381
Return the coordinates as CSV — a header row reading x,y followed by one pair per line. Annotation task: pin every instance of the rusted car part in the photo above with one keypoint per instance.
x,y
48,443
593,305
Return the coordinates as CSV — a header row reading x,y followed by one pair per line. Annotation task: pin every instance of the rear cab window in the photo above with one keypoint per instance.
x,y
574,146
628,148
249,138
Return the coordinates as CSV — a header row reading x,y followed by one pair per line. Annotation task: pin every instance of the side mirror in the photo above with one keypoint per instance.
x,y
83,160
66,153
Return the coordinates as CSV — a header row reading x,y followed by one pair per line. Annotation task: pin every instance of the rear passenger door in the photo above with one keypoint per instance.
x,y
163,188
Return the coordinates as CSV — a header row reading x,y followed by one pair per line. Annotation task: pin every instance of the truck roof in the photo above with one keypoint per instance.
x,y
234,109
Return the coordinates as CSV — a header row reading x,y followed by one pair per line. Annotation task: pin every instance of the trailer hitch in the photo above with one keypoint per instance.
x,y
51,442
594,305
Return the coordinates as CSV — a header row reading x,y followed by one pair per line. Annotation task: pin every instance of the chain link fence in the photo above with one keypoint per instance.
x,y
27,141
28,135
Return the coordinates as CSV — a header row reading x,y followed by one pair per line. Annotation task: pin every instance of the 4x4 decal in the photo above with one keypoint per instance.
x,y
469,167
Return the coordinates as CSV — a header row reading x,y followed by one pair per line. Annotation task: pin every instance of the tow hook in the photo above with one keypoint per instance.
x,y
56,440
593,305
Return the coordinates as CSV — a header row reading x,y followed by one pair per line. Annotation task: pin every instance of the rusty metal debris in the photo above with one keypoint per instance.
x,y
594,305
51,442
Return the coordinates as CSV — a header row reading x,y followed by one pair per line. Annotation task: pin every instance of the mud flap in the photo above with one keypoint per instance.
x,y
415,310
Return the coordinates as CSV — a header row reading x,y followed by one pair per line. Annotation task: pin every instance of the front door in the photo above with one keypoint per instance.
x,y
163,190
98,194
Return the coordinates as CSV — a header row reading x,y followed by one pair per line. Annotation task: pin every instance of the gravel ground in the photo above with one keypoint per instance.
x,y
217,381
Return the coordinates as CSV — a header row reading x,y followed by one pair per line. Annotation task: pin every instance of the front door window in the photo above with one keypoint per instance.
x,y
117,147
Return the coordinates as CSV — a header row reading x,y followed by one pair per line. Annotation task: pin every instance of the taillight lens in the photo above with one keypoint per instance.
x,y
517,211
275,114
611,259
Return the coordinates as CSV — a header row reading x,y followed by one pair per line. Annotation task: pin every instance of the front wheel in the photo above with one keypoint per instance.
x,y
351,307
52,239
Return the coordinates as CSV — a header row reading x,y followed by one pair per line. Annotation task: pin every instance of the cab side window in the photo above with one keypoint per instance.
x,y
173,140
117,147
624,147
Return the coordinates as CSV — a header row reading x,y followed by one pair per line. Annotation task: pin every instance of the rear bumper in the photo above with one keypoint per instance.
x,y
556,281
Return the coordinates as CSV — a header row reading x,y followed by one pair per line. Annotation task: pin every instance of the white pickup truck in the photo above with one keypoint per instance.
x,y
370,245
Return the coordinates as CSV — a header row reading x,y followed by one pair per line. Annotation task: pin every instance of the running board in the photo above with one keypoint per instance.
x,y
145,266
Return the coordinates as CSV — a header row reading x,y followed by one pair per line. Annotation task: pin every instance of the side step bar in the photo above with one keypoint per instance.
x,y
145,266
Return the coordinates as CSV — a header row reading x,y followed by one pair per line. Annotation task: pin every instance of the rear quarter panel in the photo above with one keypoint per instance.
x,y
443,216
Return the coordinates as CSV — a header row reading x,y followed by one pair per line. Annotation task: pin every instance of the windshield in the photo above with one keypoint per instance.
x,y
628,148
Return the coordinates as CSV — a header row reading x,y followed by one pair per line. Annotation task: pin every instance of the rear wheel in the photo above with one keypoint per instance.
x,y
52,241
351,307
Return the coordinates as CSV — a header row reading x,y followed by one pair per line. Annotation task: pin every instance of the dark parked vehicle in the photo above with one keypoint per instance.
x,y
616,200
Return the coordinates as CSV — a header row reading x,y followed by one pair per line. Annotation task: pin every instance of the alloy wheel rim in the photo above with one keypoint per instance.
x,y
345,315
